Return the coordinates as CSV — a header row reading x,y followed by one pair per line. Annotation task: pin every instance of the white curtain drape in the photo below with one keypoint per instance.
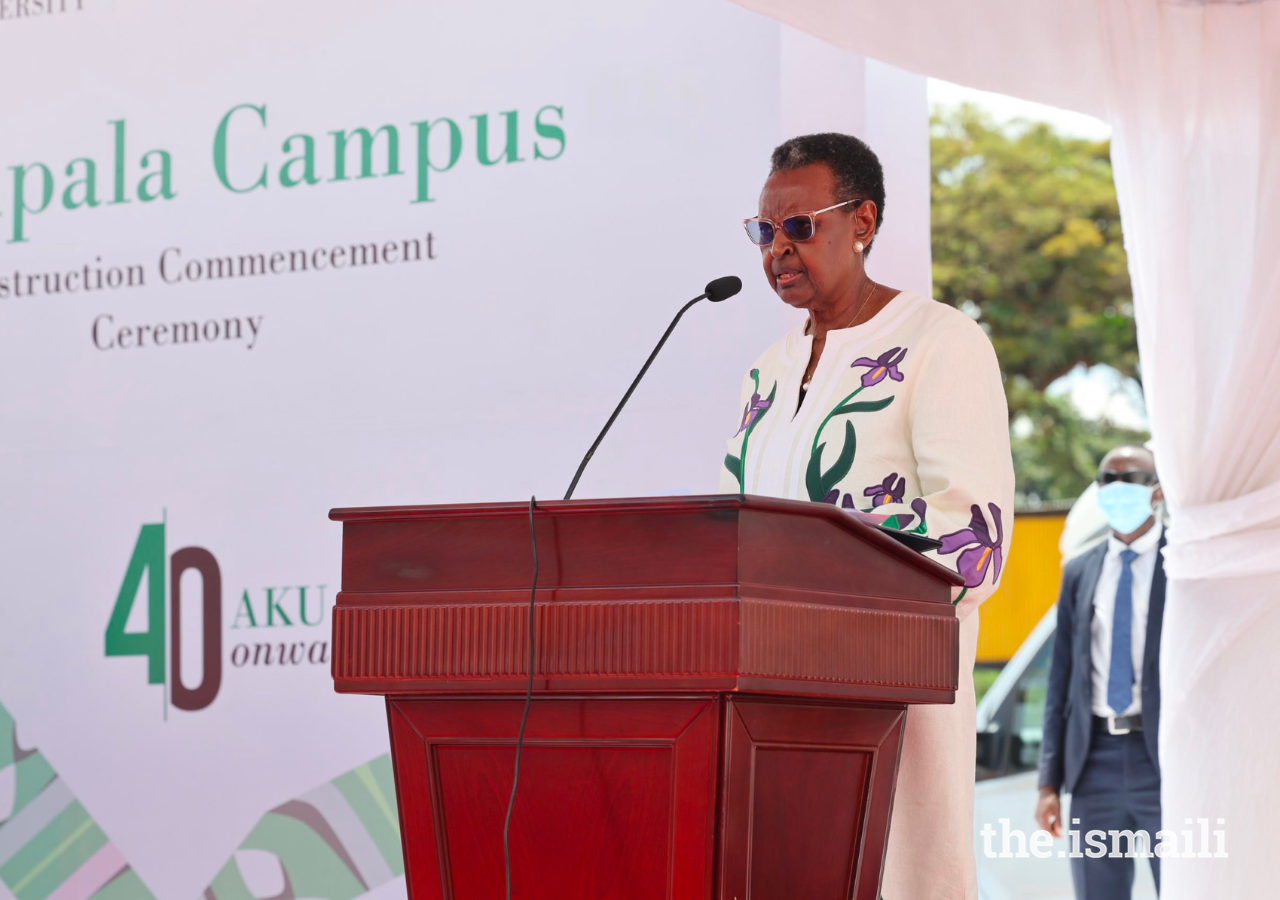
x,y
1192,91
1195,108
1041,50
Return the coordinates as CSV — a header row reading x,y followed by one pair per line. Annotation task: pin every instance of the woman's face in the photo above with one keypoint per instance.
x,y
821,271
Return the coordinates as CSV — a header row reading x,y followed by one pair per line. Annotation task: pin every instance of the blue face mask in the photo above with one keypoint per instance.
x,y
1126,506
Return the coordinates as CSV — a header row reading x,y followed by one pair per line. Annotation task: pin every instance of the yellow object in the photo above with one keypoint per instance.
x,y
1032,576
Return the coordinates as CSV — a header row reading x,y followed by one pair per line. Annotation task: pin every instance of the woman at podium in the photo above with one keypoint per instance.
x,y
887,403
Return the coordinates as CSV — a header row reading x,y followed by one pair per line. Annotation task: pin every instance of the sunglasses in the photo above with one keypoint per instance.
x,y
1129,476
799,227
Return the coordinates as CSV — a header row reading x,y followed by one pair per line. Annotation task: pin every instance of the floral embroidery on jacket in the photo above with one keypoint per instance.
x,y
983,554
884,365
887,491
755,408
898,521
902,521
818,482
751,416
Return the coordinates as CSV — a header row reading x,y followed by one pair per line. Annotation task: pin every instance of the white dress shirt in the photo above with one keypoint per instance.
x,y
1104,605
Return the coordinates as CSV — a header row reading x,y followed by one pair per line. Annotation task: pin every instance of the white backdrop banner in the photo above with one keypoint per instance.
x,y
259,260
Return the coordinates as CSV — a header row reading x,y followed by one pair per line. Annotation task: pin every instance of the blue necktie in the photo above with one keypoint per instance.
x,y
1120,678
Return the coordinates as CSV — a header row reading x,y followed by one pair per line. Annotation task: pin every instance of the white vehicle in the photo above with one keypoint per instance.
x,y
1010,726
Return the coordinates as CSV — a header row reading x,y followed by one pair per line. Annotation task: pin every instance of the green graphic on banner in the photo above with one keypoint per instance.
x,y
153,584
148,561
335,842
48,841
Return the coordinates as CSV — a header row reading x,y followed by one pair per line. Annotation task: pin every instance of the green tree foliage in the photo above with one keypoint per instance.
x,y
1055,449
1027,240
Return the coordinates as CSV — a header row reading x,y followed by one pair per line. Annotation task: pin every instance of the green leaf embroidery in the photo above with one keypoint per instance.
x,y
742,457
819,483
817,435
813,475
865,406
844,462
734,465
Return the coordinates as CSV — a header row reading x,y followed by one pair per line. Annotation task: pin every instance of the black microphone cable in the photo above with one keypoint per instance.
x,y
528,701
715,291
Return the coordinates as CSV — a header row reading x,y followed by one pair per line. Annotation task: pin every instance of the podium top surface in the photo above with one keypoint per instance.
x,y
734,593
716,506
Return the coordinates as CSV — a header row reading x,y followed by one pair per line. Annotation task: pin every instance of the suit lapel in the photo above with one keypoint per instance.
x,y
1155,609
1088,585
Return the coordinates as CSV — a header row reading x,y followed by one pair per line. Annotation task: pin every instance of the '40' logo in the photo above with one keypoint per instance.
x,y
149,559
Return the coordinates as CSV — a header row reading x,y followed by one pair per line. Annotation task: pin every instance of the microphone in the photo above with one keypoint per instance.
x,y
721,289
715,291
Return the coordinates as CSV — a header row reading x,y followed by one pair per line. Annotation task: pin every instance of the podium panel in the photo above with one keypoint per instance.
x,y
616,799
807,792
720,690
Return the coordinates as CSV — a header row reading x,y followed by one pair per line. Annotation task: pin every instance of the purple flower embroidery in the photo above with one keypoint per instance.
x,y
887,491
886,364
919,507
905,519
834,495
982,552
753,411
902,519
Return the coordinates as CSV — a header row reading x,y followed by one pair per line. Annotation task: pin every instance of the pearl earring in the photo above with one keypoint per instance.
x,y
857,246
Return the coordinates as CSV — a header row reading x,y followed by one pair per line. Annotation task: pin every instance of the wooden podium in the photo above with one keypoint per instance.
x,y
720,692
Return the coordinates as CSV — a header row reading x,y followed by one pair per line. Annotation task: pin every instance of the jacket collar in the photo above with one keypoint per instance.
x,y
1088,586
1093,560
1155,610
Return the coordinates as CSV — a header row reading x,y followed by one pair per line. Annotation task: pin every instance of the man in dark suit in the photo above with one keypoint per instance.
x,y
1102,712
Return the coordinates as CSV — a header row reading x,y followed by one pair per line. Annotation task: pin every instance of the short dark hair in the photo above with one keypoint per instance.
x,y
855,166
1137,450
